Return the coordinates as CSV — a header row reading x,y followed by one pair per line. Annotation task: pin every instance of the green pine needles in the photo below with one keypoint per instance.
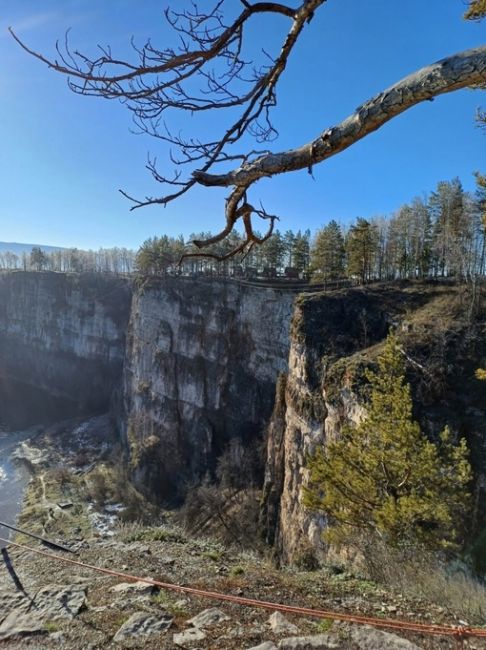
x,y
476,10
385,477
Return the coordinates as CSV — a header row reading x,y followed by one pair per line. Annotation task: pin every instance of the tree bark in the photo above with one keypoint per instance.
x,y
463,70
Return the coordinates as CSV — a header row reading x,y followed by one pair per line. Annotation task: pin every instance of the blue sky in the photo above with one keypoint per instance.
x,y
64,157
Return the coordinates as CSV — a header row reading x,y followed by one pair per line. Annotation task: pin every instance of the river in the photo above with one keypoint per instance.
x,y
13,480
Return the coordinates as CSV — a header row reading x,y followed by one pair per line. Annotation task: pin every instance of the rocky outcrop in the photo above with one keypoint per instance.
x,y
190,364
334,337
202,361
62,344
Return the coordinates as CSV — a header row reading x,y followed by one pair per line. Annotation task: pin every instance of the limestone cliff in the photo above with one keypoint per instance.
x,y
62,344
201,367
334,337
188,364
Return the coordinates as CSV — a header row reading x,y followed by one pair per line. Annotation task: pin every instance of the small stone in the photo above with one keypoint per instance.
x,y
187,638
280,625
368,638
133,588
208,617
268,645
143,624
316,642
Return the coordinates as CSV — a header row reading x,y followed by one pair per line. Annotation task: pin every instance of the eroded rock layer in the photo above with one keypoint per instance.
x,y
202,362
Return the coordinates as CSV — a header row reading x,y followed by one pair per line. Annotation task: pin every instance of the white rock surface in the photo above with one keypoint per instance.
x,y
19,624
280,625
189,637
143,624
208,618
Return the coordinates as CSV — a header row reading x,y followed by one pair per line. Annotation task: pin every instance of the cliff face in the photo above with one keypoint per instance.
x,y
185,365
201,367
193,364
334,338
62,344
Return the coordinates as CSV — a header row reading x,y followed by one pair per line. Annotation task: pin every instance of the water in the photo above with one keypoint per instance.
x,y
13,480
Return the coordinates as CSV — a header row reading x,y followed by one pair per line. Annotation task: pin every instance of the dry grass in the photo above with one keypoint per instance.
x,y
420,575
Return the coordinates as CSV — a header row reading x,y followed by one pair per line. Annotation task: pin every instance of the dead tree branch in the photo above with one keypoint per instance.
x,y
209,71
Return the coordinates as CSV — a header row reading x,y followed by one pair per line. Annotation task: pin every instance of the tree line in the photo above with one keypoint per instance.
x,y
104,260
439,235
442,234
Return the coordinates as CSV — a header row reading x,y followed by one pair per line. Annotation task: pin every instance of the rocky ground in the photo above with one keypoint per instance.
x,y
49,604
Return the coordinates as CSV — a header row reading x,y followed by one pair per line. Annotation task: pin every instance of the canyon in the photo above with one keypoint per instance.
x,y
185,365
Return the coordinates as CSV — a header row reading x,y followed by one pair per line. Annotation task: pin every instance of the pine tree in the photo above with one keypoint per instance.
x,y
301,250
327,253
451,227
37,259
273,251
289,243
361,249
385,477
476,10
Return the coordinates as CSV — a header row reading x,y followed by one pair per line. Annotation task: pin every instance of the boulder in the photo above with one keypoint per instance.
x,y
349,637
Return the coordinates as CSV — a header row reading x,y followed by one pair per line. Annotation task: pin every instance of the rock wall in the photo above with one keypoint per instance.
x,y
62,344
334,337
187,365
201,366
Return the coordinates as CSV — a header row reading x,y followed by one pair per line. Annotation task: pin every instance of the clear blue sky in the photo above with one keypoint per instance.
x,y
63,157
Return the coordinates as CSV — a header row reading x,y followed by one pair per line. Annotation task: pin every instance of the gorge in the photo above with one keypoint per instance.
x,y
185,365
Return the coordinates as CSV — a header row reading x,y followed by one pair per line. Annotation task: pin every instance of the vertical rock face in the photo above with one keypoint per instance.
x,y
201,366
196,363
334,338
324,329
62,344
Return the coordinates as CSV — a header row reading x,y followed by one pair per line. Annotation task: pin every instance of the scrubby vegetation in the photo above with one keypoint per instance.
x,y
384,478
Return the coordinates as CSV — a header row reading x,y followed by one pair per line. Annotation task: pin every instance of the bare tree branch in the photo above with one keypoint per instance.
x,y
209,71
464,70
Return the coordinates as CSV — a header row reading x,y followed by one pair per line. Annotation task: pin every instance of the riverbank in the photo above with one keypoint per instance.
x,y
14,478
78,487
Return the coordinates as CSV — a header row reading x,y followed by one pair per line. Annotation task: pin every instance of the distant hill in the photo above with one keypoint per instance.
x,y
18,249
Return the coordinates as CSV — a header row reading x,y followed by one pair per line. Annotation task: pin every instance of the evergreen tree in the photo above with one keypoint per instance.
x,y
327,253
273,251
476,10
422,237
385,477
361,249
481,210
37,259
289,242
451,227
301,250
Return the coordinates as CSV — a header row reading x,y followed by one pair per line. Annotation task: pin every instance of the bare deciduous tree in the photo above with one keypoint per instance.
x,y
209,71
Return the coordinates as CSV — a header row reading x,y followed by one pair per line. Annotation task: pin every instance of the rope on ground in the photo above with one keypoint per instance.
x,y
48,542
459,632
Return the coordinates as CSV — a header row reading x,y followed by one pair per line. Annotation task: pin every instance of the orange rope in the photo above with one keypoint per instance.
x,y
460,632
